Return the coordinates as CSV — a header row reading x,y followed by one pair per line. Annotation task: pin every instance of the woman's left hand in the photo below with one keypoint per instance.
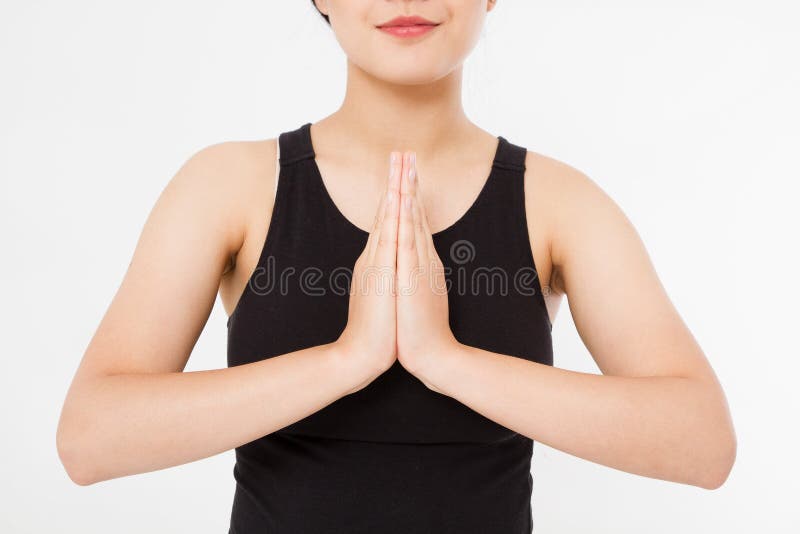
x,y
424,337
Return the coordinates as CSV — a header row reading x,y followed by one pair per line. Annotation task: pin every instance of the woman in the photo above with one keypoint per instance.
x,y
389,350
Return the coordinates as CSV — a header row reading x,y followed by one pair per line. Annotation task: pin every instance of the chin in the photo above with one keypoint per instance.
x,y
412,75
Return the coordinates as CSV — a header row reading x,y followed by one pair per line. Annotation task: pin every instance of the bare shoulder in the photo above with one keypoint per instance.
x,y
543,177
558,198
234,180
578,215
196,223
251,175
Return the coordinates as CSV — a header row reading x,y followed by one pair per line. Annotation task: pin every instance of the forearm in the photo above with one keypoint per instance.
x,y
133,423
671,428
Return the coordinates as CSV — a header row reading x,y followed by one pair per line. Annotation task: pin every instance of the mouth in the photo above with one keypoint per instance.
x,y
408,26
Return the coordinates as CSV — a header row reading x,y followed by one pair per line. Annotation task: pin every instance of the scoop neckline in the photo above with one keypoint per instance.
x,y
364,233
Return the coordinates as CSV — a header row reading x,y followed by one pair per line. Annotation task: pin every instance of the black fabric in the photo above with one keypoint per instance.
x,y
393,457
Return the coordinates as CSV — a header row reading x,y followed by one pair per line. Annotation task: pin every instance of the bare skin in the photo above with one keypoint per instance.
x,y
132,409
138,399
657,410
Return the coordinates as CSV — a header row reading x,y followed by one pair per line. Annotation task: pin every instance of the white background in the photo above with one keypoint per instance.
x,y
686,113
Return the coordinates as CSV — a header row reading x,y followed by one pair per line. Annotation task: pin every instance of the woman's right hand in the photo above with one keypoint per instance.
x,y
368,343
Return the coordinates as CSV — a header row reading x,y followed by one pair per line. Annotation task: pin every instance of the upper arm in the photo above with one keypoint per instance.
x,y
620,308
170,285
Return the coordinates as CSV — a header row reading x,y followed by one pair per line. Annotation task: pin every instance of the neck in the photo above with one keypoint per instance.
x,y
378,116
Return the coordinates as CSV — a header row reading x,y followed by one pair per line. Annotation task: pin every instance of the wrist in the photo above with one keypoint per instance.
x,y
435,369
345,363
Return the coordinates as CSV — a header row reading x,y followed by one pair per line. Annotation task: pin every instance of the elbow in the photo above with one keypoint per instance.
x,y
74,457
715,443
716,469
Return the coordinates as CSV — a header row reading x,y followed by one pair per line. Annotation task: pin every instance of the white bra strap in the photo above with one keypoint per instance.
x,y
277,166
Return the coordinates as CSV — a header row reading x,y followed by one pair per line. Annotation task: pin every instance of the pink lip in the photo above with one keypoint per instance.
x,y
403,20
408,26
408,31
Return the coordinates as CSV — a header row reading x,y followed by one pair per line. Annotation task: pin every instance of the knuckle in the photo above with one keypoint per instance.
x,y
384,241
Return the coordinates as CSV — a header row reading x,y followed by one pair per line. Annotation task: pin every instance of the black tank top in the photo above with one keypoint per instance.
x,y
395,456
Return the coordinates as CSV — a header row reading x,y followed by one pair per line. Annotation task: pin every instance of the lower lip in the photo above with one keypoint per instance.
x,y
408,31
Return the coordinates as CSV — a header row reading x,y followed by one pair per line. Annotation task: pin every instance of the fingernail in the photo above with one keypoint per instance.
x,y
413,158
393,158
389,196
412,172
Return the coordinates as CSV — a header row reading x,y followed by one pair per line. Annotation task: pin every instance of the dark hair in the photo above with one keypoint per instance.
x,y
324,16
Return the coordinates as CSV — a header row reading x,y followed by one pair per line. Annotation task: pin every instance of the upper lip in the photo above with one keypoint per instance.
x,y
408,21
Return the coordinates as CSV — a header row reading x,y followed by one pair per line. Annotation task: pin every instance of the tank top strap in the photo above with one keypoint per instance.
x,y
501,198
509,156
295,145
302,208
506,190
499,221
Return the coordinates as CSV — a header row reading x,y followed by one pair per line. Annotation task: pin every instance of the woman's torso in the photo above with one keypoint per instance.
x,y
394,456
259,203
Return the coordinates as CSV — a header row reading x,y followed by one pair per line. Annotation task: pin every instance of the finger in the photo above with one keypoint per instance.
x,y
385,254
376,225
430,247
391,191
419,230
406,252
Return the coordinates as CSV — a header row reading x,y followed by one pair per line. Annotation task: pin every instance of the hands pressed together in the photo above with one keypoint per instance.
x,y
398,300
